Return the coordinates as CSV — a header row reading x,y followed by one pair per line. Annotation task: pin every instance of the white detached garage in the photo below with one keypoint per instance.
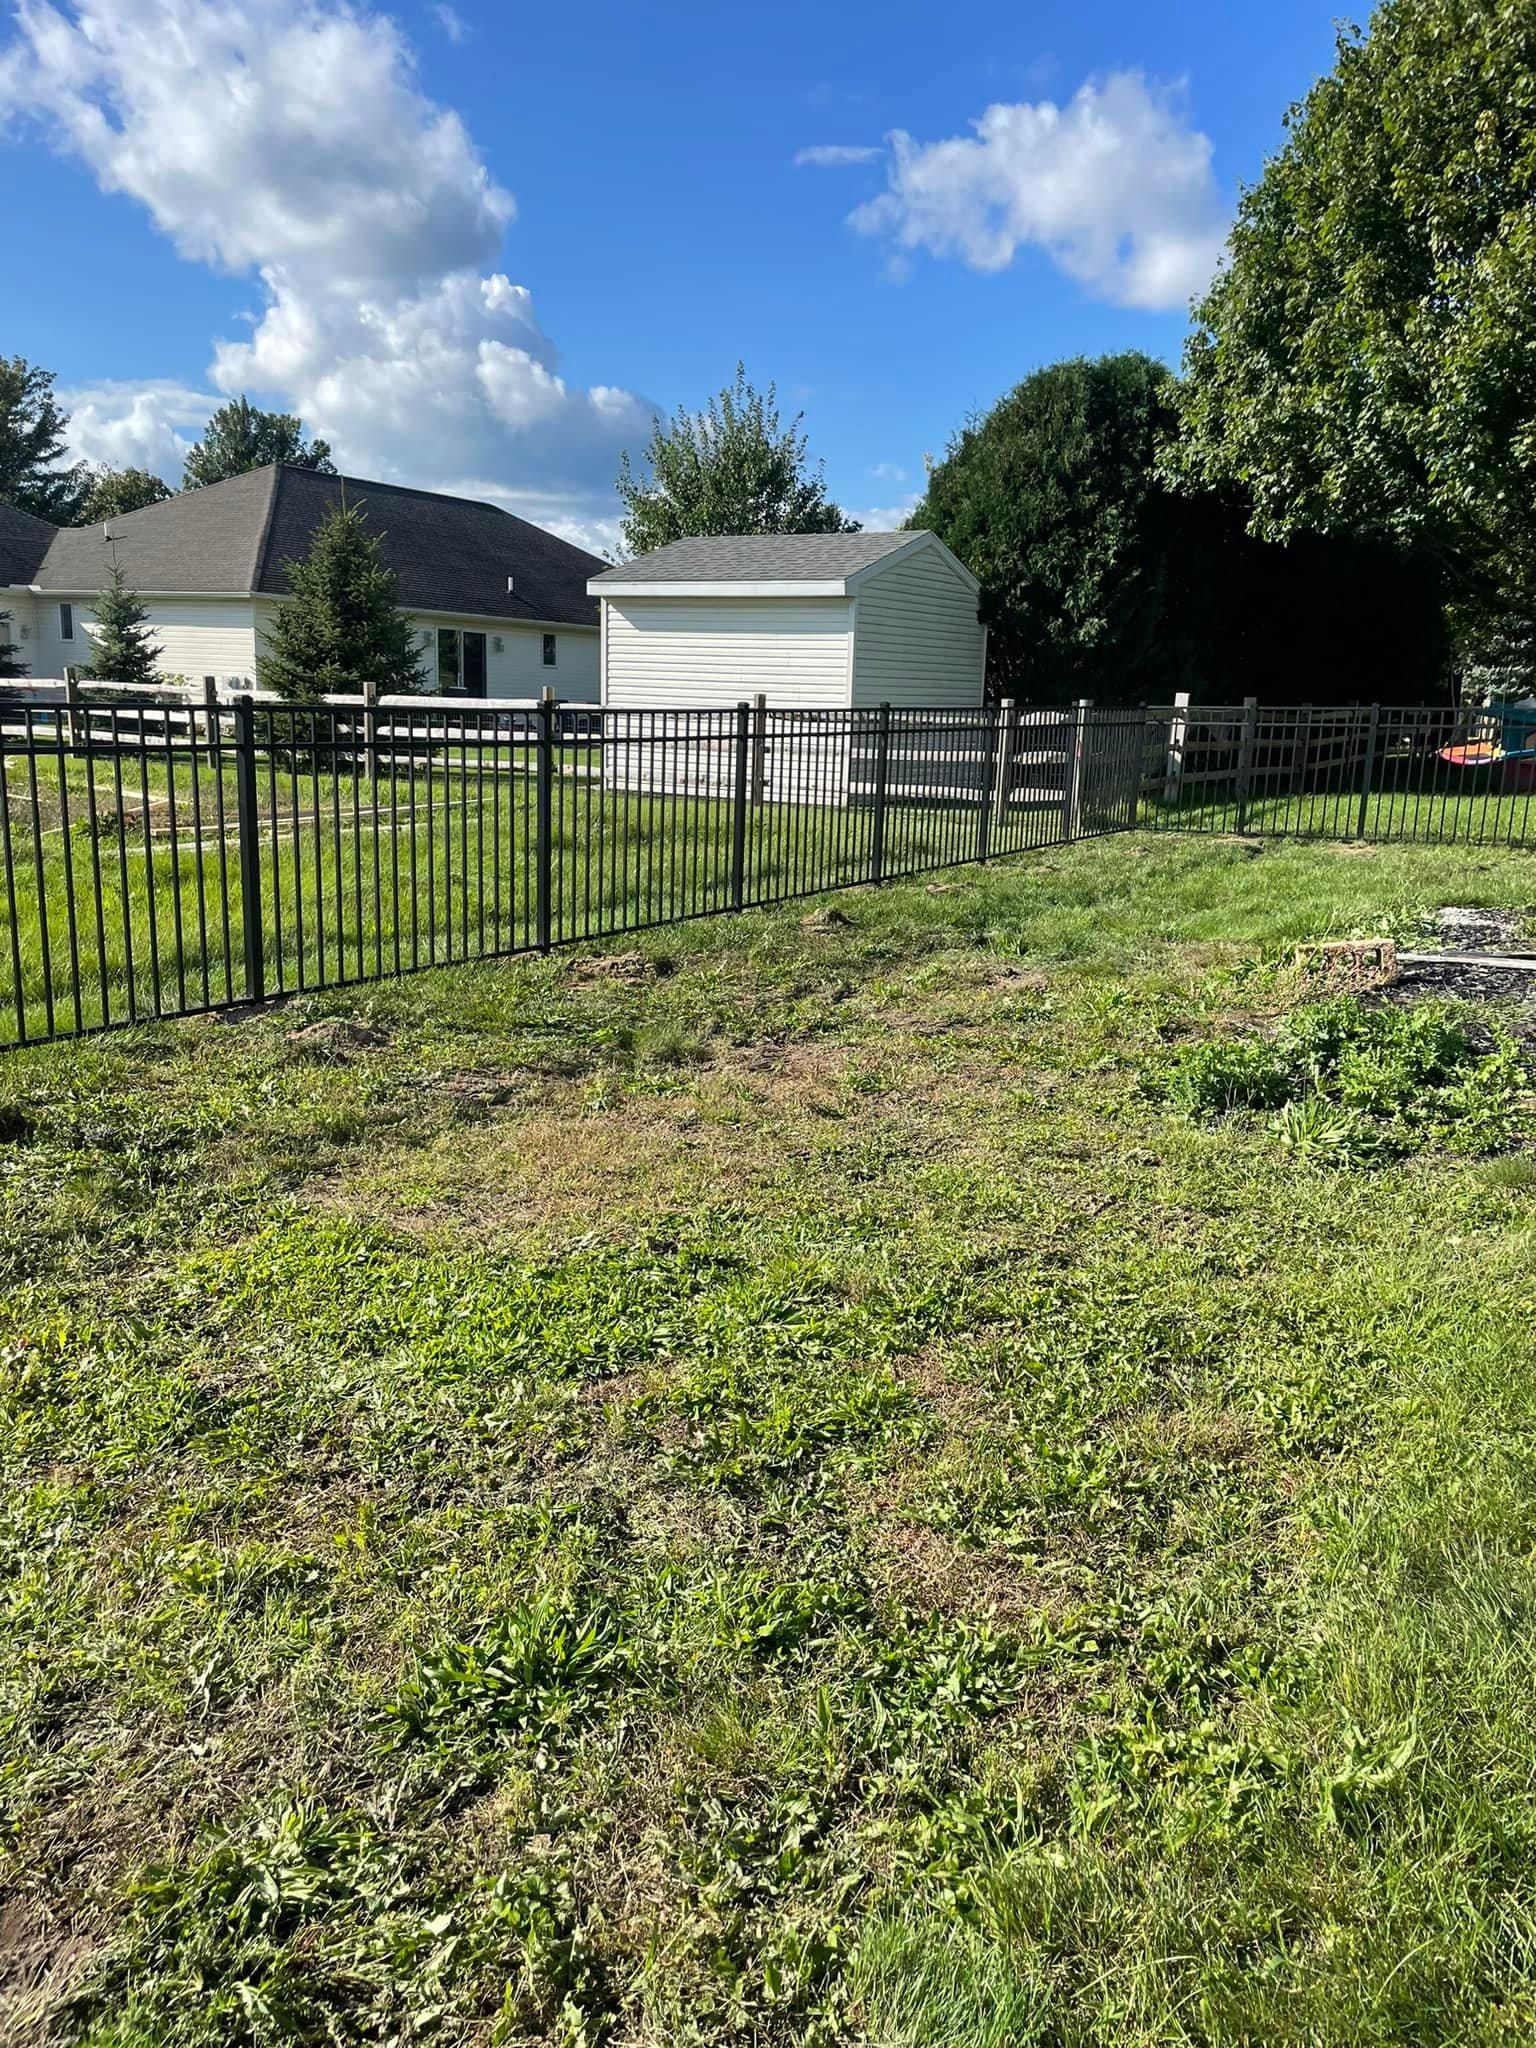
x,y
808,621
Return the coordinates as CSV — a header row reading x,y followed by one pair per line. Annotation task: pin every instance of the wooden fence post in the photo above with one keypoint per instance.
x,y
1368,772
986,783
1008,747
72,700
1245,751
1072,782
1178,734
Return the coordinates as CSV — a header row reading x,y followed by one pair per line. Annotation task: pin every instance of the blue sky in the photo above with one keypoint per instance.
x,y
477,246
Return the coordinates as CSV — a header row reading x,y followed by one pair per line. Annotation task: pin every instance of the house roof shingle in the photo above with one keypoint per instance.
x,y
448,554
759,558
23,544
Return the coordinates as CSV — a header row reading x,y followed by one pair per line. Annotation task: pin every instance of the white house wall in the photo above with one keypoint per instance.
x,y
917,640
195,636
710,653
516,668
22,628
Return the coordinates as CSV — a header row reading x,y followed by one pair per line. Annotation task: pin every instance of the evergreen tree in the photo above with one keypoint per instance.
x,y
10,667
731,468
125,649
341,626
31,444
240,436
112,492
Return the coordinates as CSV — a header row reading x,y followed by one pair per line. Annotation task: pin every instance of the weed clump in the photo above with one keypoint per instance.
x,y
1347,1084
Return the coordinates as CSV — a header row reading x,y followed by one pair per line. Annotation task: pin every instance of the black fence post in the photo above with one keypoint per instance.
x,y
545,816
1368,770
371,729
759,749
739,801
882,778
248,837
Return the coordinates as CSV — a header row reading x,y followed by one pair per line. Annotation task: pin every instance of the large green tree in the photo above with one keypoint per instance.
x,y
124,649
341,627
112,492
1365,363
1088,564
240,437
33,473
1100,579
731,468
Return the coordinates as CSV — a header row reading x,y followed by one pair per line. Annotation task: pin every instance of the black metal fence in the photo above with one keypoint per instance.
x,y
160,857
1431,774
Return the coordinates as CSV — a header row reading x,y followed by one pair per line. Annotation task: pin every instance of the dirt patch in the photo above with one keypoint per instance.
x,y
40,1962
335,1039
623,967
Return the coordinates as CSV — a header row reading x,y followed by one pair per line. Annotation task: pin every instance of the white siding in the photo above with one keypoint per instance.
x,y
518,670
23,622
917,640
703,653
196,636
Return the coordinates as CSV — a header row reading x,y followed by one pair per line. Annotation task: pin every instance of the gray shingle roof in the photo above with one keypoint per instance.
x,y
207,540
448,554
759,558
23,544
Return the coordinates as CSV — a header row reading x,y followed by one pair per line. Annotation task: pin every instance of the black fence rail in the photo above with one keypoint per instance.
x,y
161,858
165,856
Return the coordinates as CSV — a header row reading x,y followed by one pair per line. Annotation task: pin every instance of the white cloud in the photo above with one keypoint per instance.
x,y
135,425
1115,186
290,138
884,518
451,22
889,473
830,155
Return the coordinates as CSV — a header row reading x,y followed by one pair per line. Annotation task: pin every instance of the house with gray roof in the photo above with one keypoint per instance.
x,y
806,620
501,607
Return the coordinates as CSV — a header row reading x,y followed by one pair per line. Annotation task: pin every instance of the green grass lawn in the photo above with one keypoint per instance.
x,y
771,1489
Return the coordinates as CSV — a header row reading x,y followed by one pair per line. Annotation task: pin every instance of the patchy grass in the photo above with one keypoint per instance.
x,y
834,1492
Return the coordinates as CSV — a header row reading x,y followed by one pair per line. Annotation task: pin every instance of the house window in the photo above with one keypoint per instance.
x,y
549,650
66,622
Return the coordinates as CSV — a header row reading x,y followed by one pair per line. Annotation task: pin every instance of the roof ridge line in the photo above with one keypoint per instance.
x,y
264,535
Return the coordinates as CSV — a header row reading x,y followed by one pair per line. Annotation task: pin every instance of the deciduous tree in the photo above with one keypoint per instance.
x,y
240,437
112,492
731,468
1364,362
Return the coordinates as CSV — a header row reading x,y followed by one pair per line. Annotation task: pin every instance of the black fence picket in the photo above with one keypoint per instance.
x,y
160,857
